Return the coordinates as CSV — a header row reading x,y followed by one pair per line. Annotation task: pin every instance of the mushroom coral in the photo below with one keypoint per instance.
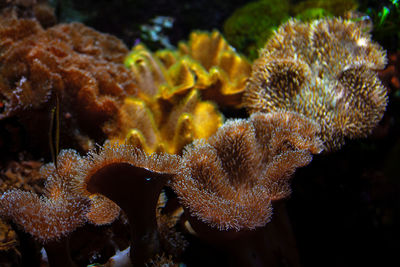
x,y
325,70
230,184
51,217
229,181
88,189
133,180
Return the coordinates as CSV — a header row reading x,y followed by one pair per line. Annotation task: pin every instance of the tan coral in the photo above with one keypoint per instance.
x,y
325,70
47,218
229,181
132,179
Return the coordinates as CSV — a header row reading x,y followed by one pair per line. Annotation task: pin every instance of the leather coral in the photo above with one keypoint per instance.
x,y
325,70
229,181
70,63
157,124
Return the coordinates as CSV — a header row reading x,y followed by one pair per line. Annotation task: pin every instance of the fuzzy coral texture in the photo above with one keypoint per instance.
x,y
72,63
325,70
230,180
313,86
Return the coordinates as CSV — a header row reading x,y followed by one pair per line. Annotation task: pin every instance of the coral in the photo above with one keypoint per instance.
x,y
53,215
157,124
168,112
101,210
229,181
69,63
79,189
163,126
325,70
250,26
38,9
133,180
206,63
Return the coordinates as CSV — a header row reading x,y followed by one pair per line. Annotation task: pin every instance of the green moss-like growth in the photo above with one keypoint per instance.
x,y
249,27
313,13
333,7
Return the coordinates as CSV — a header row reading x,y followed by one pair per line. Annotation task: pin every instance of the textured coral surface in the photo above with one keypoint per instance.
x,y
68,66
240,193
325,70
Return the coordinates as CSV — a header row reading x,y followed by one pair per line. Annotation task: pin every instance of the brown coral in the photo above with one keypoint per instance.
x,y
229,182
324,70
133,180
71,62
56,213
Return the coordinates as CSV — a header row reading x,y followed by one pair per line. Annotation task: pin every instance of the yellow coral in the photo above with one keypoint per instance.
x,y
168,112
206,63
165,127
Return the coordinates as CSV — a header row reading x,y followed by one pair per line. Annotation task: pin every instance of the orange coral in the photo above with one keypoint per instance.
x,y
229,182
324,70
71,62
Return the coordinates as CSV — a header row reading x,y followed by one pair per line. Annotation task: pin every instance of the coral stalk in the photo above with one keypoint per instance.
x,y
133,180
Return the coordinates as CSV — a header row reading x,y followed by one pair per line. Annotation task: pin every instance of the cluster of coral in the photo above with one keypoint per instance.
x,y
172,164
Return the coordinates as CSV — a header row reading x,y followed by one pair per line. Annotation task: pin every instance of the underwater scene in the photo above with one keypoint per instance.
x,y
199,133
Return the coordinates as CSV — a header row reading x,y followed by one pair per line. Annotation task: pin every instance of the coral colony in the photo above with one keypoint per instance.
x,y
313,86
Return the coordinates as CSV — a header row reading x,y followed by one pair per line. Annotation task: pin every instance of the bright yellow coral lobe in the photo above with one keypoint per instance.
x,y
206,63
178,93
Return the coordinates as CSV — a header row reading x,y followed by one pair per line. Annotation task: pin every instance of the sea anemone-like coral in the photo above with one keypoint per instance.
x,y
55,214
325,70
69,64
133,180
206,63
49,218
164,127
229,181
155,123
